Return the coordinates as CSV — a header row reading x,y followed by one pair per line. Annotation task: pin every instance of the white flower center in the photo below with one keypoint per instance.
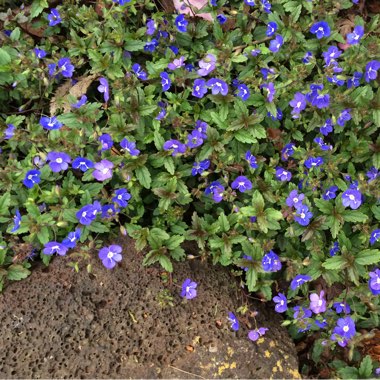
x,y
110,255
302,215
352,198
345,328
104,171
59,160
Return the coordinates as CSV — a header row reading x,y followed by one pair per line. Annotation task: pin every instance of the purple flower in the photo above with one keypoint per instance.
x,y
87,214
301,312
177,63
266,6
103,170
80,102
257,333
334,79
104,88
218,86
130,147
344,117
322,145
326,128
242,183
199,88
303,215
52,67
255,52
140,73
165,81
221,18
355,80
352,198
330,193
9,131
306,57
50,123
313,162
108,211
342,307
298,103
317,302
276,43
344,331
54,17
243,92
110,255
294,200
40,53
207,65
355,37
199,168
67,69
72,238
217,190
106,141
331,54
150,27
375,236
176,146
372,174
151,45
194,139
58,161
82,163
281,303
234,322
121,2
181,23
31,178
250,2
55,247
299,280
121,197
271,28
16,221
271,262
287,151
270,91
371,70
201,127
283,175
173,48
321,29
374,281
251,160
335,249
321,101
189,289
266,72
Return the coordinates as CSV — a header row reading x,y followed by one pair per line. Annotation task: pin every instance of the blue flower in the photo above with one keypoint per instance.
x,y
151,45
321,29
66,68
374,282
217,190
371,70
294,199
242,183
372,174
72,238
54,17
55,247
201,127
82,163
218,86
243,92
271,262
313,162
283,175
58,161
344,331
271,29
298,103
121,2
254,335
181,23
176,146
104,88
266,6
165,81
342,307
121,197
234,322
16,221
189,289
250,2
375,236
355,80
108,211
281,303
110,256
31,178
330,193
326,128
106,141
355,37
352,198
306,57
251,160
194,139
140,73
287,151
87,214
50,123
82,101
344,117
40,53
221,18
150,27
130,147
9,131
270,91
303,215
322,145
276,43
299,280
199,168
199,88
331,54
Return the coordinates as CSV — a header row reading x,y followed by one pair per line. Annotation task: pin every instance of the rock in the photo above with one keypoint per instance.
x,y
120,324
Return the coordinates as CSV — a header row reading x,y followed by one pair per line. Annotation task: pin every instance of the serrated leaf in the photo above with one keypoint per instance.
x,y
43,235
174,241
368,257
366,368
223,222
5,201
143,176
354,216
166,263
97,227
16,272
134,45
5,58
251,279
245,136
335,263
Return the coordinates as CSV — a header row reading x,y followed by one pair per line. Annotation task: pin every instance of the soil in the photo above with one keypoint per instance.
x,y
130,322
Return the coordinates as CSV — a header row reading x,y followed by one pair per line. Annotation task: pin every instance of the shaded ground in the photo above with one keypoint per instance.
x,y
118,324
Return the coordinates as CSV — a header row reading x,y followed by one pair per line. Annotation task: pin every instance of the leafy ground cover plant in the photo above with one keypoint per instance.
x,y
252,130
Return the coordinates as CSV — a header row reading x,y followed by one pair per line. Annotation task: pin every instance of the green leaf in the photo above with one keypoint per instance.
x,y
223,222
354,216
43,235
376,160
134,45
245,136
169,165
174,241
166,263
251,279
257,202
158,233
37,8
5,58
16,272
97,227
348,373
5,201
368,257
366,368
69,215
335,263
324,206
143,176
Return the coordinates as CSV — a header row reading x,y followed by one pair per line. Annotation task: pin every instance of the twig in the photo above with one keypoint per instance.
x,y
181,370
